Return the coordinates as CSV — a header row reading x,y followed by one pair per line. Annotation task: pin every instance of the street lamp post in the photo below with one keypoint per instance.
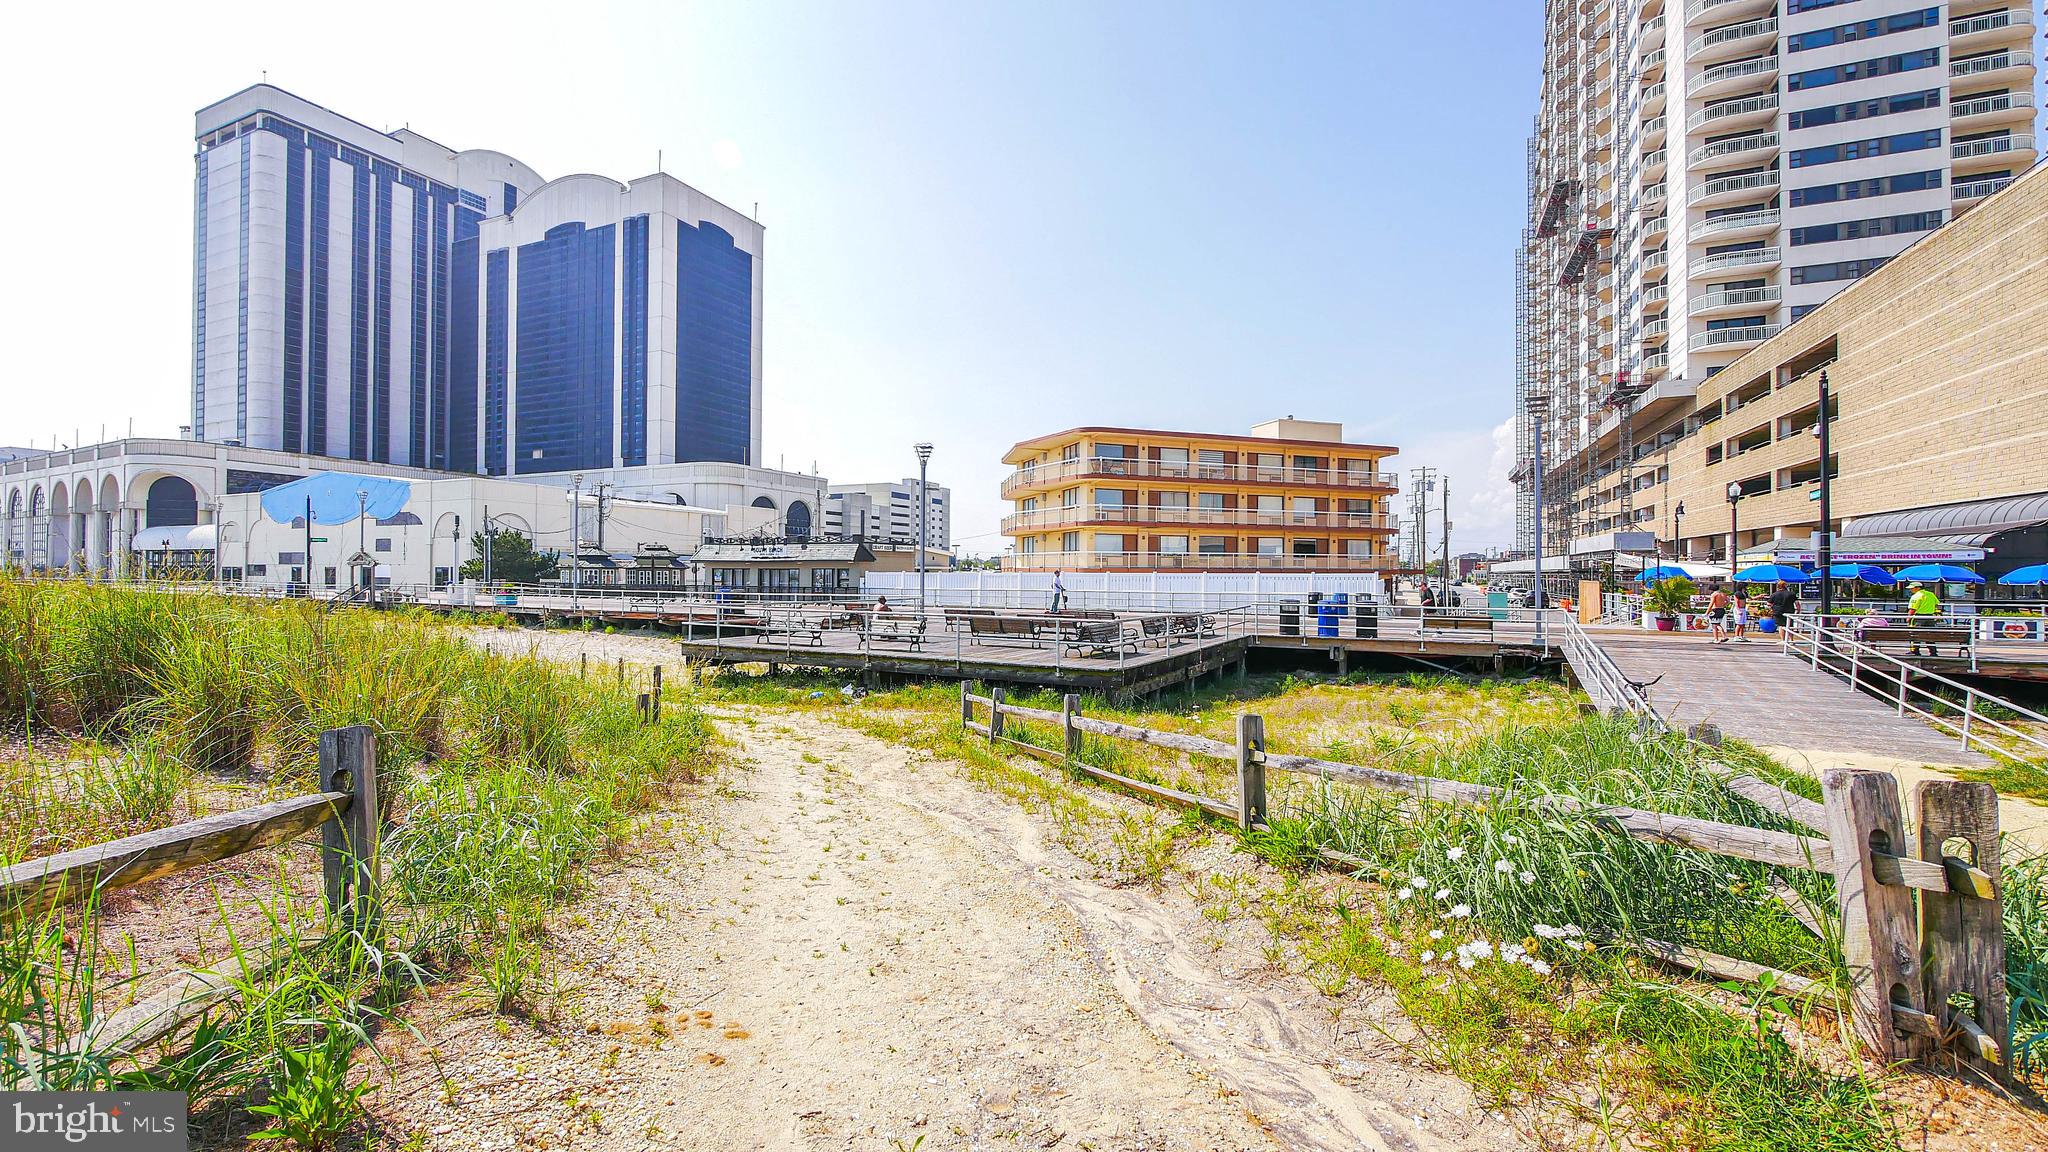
x,y
217,542
1677,522
1538,406
1734,528
1826,553
363,529
924,456
455,553
576,543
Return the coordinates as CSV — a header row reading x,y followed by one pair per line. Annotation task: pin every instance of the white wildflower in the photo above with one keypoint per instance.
x,y
1418,883
1443,893
1428,956
1537,966
1528,877
1510,838
1465,961
1511,952
1436,933
1503,866
1548,932
1574,930
1457,852
1459,911
1404,894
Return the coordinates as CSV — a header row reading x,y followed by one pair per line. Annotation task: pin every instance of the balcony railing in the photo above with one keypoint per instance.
x,y
1734,222
1721,149
1656,362
1656,328
1992,146
1761,66
1733,34
1653,193
1995,62
1653,94
1735,298
1699,8
1654,126
1748,105
1056,519
1989,22
1984,105
1656,294
1656,259
1195,562
1750,258
1065,470
1721,186
1725,337
1979,189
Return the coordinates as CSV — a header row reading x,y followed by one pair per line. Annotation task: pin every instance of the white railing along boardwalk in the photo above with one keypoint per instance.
x,y
1912,690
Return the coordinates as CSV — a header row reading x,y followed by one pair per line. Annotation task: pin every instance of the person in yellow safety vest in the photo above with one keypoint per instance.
x,y
1922,609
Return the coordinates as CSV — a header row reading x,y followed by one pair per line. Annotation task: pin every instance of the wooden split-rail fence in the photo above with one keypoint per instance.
x,y
345,813
1919,916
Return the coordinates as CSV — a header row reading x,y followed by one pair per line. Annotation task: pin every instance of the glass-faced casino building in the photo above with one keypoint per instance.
x,y
379,297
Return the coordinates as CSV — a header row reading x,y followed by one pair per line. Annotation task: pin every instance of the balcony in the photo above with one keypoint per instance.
x,y
2016,149
1982,110
1653,98
1047,475
1754,149
1656,296
1728,77
1656,363
1732,40
1728,189
1735,225
1976,190
1732,114
1752,260
2011,64
1195,562
1742,337
1986,29
1080,516
1653,164
1655,225
1654,260
1656,329
1653,132
1652,65
1735,300
1727,9
1653,194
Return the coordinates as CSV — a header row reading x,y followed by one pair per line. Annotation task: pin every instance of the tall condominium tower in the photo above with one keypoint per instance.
x,y
1704,172
377,296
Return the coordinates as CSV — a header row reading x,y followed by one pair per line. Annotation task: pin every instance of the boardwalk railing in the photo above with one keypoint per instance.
x,y
1600,676
344,811
1960,710
1921,927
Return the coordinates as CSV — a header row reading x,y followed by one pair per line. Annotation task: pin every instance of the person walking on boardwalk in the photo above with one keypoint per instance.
x,y
1717,614
1059,591
1738,609
1922,609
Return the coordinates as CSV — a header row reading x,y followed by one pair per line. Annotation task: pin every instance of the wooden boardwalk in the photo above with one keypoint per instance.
x,y
1756,692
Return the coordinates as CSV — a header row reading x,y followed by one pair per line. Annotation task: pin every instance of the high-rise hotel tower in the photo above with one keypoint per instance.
x,y
379,297
1704,172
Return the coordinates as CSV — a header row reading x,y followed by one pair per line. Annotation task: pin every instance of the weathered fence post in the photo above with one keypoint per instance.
x,y
1962,931
1251,770
641,708
966,705
1880,938
622,671
348,845
995,715
654,708
1070,706
583,667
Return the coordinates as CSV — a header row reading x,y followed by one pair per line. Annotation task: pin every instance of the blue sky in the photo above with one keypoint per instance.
x,y
983,221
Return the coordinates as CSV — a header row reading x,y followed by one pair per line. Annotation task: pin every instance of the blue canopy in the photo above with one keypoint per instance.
x,y
1868,573
334,498
1940,573
1664,572
1767,573
2031,574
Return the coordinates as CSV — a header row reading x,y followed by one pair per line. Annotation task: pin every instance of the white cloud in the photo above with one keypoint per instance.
x,y
1476,463
726,154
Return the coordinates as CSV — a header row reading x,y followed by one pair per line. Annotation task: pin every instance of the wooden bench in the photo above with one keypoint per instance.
x,y
1002,626
1104,637
1458,624
1930,636
883,628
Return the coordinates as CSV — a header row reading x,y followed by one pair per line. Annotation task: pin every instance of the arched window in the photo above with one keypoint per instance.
x,y
171,501
796,523
764,502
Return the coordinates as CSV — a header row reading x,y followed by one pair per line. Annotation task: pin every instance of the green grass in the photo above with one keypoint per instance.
x,y
501,779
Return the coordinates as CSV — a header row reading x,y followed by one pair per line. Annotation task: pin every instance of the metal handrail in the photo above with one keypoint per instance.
x,y
1593,663
1825,648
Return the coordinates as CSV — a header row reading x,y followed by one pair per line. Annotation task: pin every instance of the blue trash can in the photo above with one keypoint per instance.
x,y
1330,615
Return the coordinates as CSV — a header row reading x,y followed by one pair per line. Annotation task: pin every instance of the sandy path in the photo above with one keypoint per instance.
x,y
885,952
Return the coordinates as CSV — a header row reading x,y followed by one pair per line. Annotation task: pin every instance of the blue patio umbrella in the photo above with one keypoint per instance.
x,y
1940,574
2031,574
1664,572
1868,573
1767,573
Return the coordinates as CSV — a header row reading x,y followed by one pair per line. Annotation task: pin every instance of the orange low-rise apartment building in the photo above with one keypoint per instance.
x,y
1290,496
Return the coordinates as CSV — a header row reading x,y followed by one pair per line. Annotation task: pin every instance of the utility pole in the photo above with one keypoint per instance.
x,y
1827,521
363,530
1447,540
309,547
487,545
1425,483
601,486
1538,406
576,542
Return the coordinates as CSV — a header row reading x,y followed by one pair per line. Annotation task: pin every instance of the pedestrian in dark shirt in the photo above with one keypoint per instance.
x,y
1784,598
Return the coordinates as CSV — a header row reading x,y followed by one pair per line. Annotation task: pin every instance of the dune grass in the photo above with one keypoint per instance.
x,y
501,779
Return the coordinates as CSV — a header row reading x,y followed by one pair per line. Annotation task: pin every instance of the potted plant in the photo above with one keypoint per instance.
x,y
1667,598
